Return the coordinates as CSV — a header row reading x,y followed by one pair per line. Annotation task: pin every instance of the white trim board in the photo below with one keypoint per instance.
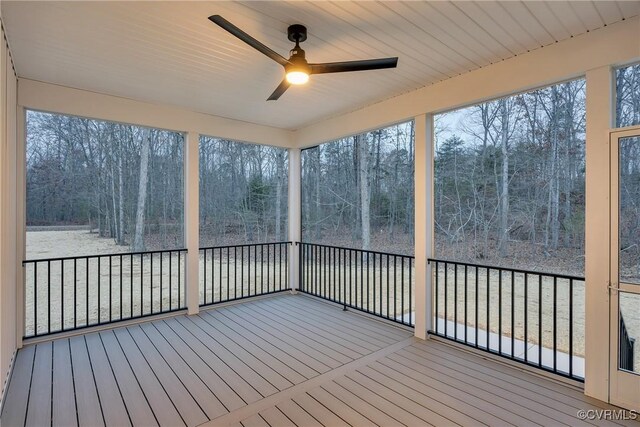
x,y
49,97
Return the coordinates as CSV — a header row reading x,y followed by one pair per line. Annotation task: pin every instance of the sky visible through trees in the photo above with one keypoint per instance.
x,y
509,181
357,192
243,193
120,181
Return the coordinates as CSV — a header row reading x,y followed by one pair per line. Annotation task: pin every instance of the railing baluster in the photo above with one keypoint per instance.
x,y
500,311
395,288
110,288
465,304
35,298
526,317
402,308
455,302
235,275
75,292
86,293
61,295
410,292
539,320
141,284
555,323
121,287
151,284
570,327
488,286
446,299
99,292
513,323
477,300
437,295
161,281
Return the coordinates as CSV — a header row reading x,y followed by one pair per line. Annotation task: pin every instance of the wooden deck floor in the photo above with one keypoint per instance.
x,y
285,360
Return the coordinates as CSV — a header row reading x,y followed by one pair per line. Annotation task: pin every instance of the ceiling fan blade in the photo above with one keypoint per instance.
x,y
341,67
282,87
219,20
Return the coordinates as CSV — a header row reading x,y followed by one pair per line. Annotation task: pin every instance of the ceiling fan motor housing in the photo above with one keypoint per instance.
x,y
297,33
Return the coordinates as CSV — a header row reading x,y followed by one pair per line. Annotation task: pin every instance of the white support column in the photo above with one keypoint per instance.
x,y
597,233
21,220
423,223
191,218
294,215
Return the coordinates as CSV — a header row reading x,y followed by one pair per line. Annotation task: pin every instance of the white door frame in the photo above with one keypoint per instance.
x,y
624,386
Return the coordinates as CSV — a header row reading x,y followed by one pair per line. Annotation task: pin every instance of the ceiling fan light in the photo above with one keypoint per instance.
x,y
297,77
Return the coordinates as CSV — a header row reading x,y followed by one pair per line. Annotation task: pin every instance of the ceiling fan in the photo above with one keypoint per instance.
x,y
297,69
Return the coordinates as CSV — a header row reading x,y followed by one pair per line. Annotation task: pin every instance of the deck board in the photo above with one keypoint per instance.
x,y
137,403
14,410
312,349
319,412
41,385
279,349
89,410
190,411
324,345
286,360
161,405
64,403
299,416
113,408
215,396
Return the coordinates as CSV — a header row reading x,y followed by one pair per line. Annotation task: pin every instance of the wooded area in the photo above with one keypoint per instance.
x,y
243,193
628,114
124,182
628,96
510,174
358,191
509,181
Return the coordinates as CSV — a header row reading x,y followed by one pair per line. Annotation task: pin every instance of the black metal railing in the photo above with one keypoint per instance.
x,y
64,294
627,345
377,283
229,273
532,317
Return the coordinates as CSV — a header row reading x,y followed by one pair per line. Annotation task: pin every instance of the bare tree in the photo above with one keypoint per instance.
x,y
138,239
365,190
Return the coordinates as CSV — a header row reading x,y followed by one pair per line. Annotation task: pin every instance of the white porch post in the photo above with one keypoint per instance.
x,y
191,218
597,234
21,220
423,222
294,215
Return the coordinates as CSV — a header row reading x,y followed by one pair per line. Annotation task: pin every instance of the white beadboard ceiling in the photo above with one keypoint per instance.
x,y
169,52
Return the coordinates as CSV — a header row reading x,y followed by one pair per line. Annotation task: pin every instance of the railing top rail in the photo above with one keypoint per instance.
x,y
356,249
247,244
515,270
30,261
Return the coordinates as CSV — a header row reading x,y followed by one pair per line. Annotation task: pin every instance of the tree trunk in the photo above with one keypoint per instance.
x,y
318,215
503,244
120,195
279,177
365,196
138,240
